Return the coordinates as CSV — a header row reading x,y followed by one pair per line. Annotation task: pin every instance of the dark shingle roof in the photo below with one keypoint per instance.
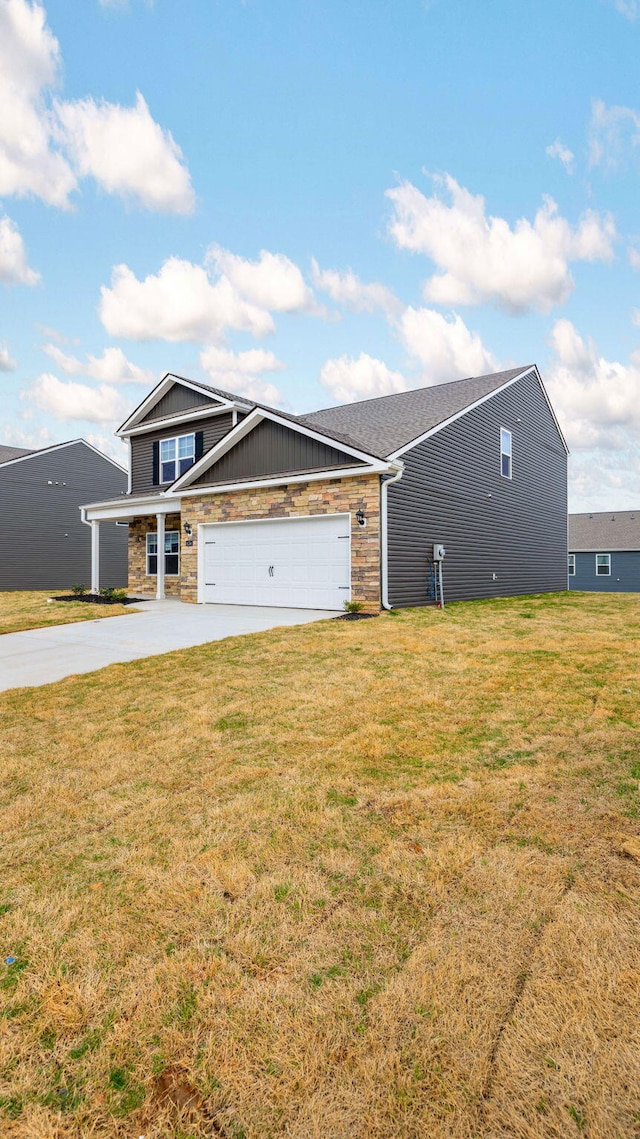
x,y
604,531
7,453
384,425
338,435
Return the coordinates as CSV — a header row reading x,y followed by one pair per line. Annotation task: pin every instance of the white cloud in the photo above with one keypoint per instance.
x,y
45,144
364,378
630,9
29,65
111,368
614,135
558,150
239,372
127,153
345,288
12,436
272,282
66,399
14,267
445,347
597,400
179,303
7,364
482,259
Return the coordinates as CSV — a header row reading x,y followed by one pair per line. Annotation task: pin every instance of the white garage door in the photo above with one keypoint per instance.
x,y
299,563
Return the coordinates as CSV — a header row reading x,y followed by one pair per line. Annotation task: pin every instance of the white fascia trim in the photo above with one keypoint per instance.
x,y
335,473
59,447
550,405
246,425
125,511
154,396
478,403
182,417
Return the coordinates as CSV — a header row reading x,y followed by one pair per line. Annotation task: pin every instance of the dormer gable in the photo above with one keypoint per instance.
x,y
173,401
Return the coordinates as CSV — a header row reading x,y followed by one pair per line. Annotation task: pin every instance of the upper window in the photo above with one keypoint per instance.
x,y
603,565
505,453
572,565
176,456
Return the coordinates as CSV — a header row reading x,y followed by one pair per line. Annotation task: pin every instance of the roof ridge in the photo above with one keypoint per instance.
x,y
424,387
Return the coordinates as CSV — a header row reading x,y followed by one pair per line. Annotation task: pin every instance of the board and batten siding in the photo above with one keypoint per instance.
x,y
452,492
176,401
272,449
213,429
45,544
625,572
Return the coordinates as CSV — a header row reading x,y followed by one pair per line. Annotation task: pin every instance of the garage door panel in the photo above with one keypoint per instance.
x,y
294,563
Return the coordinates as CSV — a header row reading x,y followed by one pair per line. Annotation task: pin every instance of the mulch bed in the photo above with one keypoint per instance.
x,y
355,616
96,599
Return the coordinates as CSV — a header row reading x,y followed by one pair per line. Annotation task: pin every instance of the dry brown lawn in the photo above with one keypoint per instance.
x,y
344,881
31,609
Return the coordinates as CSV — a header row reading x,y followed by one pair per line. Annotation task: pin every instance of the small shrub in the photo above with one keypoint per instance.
x,y
79,590
119,595
353,606
108,592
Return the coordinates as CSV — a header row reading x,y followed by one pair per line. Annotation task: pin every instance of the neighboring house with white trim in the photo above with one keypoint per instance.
x,y
604,551
234,502
44,543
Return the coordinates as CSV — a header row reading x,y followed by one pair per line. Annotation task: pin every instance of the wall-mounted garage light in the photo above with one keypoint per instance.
x,y
187,529
360,518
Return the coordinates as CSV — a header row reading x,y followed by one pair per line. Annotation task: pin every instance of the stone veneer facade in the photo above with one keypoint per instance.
x,y
330,496
139,580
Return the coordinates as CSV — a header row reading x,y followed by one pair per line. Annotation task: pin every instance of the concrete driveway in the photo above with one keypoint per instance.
x,y
40,656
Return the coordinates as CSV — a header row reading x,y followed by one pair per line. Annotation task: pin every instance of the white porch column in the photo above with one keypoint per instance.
x,y
160,577
95,556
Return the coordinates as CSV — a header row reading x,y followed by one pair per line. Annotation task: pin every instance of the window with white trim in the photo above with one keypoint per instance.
x,y
571,565
176,456
603,565
506,449
171,553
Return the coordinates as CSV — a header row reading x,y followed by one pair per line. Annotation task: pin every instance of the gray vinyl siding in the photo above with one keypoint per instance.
x,y
452,492
176,401
625,572
45,545
272,449
212,428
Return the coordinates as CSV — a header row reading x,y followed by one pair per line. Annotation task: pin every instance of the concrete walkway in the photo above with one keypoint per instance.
x,y
40,656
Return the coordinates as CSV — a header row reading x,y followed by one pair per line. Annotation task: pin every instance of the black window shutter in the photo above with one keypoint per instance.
x,y
199,445
155,479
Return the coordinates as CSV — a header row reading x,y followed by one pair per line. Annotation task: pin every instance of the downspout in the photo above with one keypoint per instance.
x,y
398,467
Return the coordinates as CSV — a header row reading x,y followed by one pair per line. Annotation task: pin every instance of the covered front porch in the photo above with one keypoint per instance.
x,y
156,539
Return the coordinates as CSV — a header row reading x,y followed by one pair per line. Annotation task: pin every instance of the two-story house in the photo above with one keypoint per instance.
x,y
233,502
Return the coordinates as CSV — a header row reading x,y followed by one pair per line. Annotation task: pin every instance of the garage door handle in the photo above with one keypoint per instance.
x,y
270,571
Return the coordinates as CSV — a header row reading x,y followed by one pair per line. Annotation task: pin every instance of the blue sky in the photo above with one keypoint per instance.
x,y
313,202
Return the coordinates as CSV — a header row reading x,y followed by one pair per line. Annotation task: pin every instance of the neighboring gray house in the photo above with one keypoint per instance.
x,y
238,503
44,542
604,551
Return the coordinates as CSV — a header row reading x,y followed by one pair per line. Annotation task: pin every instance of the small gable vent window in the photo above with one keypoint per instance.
x,y
572,565
176,456
505,453
603,565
